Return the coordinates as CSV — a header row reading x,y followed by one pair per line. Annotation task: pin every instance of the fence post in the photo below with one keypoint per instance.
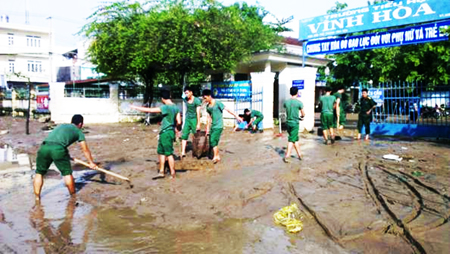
x,y
402,95
397,104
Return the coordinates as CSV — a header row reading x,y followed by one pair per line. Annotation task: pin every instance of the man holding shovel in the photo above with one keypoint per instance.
x,y
171,119
192,119
214,126
54,149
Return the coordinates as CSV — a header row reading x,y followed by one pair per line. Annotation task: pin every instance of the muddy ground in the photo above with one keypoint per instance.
x,y
355,201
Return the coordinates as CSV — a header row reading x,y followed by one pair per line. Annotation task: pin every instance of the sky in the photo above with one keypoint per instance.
x,y
69,16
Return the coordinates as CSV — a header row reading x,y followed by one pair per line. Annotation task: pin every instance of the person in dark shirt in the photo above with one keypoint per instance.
x,y
367,104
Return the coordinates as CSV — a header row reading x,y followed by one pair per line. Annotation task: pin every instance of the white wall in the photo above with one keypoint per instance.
x,y
94,110
308,74
265,81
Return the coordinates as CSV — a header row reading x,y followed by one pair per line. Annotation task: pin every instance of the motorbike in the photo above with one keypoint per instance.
x,y
443,111
430,112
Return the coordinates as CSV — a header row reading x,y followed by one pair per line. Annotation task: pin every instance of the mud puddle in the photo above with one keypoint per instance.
x,y
122,230
58,224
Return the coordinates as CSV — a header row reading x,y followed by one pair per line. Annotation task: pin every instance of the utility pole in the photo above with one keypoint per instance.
x,y
27,12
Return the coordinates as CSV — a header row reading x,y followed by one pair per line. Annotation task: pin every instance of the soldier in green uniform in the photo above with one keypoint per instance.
x,y
341,117
54,149
171,120
192,119
293,106
255,118
327,116
214,127
367,104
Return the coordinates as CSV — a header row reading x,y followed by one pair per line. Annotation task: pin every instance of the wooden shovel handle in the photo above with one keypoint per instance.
x,y
101,170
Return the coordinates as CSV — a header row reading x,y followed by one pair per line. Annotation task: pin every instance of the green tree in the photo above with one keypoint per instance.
x,y
171,40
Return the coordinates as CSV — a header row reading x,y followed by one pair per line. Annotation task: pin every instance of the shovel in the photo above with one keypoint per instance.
x,y
101,170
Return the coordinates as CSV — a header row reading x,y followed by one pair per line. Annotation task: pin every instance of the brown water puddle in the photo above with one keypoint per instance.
x,y
122,230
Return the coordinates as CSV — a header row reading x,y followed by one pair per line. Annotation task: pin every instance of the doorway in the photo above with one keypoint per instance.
x,y
276,95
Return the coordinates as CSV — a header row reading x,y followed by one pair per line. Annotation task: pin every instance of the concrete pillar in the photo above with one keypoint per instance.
x,y
56,96
13,102
307,95
264,80
114,101
267,68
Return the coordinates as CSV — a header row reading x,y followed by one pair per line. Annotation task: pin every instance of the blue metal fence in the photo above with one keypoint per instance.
x,y
409,107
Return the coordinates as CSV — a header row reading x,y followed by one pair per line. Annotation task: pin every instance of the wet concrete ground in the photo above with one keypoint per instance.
x,y
355,201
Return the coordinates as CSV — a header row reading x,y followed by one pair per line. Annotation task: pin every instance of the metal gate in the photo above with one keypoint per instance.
x,y
410,109
255,102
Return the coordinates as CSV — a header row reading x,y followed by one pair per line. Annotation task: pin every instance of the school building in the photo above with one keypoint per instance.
x,y
24,60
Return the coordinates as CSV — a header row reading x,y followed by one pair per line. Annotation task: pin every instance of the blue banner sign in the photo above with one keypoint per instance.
x,y
232,89
392,38
388,14
377,95
300,84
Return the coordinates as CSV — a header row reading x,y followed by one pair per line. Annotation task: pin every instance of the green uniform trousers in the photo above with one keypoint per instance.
x,y
293,130
165,143
214,137
342,118
364,120
327,120
56,153
190,126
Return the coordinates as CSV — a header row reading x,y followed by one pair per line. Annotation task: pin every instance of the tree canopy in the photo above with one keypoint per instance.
x,y
173,38
428,63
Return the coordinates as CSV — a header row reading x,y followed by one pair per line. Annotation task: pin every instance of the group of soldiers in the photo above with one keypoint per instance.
x,y
171,124
54,147
333,114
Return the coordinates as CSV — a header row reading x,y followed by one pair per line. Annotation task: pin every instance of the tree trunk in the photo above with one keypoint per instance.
x,y
183,77
148,91
28,110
